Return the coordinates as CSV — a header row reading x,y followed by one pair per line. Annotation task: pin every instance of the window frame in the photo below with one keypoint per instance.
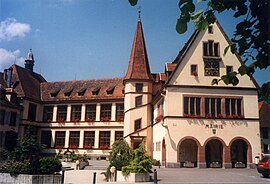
x,y
138,124
105,113
32,112
118,135
90,112
76,111
61,113
60,139
74,139
89,140
138,101
119,115
139,87
104,139
47,114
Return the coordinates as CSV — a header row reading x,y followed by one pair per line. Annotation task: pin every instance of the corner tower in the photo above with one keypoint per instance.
x,y
138,84
29,61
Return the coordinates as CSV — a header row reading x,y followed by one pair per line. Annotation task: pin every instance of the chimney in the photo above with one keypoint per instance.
x,y
9,77
29,61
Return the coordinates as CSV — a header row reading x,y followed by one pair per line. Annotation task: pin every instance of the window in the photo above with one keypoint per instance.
x,y
32,112
210,30
119,112
90,113
210,48
60,137
89,139
137,124
212,107
118,135
48,113
105,112
81,91
211,68
76,112
68,92
104,139
158,146
61,113
13,117
192,106
193,70
233,107
2,116
265,133
74,139
229,69
138,101
95,91
139,87
110,90
46,137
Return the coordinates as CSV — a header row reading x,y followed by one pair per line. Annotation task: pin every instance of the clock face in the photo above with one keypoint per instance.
x,y
211,68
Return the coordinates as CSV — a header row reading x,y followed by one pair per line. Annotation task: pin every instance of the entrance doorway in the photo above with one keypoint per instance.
x,y
213,154
239,153
188,151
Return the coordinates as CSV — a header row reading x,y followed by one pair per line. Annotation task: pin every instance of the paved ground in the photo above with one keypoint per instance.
x,y
178,176
211,176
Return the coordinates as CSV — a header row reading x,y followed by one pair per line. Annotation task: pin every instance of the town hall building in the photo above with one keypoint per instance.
x,y
184,120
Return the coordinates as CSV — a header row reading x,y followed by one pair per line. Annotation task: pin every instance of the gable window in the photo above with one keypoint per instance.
x,y
74,139
32,109
60,137
210,30
211,68
105,112
118,135
138,101
76,112
46,137
90,113
210,48
95,91
68,92
13,117
89,139
61,113
138,124
110,90
48,113
139,87
104,139
2,116
81,92
192,106
193,70
229,69
119,112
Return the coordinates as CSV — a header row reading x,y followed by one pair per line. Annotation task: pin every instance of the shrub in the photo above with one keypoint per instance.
x,y
141,162
14,168
50,165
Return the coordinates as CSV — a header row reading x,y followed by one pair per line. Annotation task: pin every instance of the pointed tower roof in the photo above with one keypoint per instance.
x,y
138,67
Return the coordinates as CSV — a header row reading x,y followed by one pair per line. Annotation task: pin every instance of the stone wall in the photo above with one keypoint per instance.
x,y
29,179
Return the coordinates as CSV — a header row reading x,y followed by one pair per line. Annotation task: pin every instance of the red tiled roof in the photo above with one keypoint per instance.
x,y
89,86
138,67
264,114
26,84
170,67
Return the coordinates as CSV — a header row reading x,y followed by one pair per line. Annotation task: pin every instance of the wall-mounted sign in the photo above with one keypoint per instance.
x,y
214,126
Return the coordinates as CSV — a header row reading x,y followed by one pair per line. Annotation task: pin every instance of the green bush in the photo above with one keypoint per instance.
x,y
141,162
14,167
50,165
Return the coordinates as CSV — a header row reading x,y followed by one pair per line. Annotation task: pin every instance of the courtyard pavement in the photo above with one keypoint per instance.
x,y
175,176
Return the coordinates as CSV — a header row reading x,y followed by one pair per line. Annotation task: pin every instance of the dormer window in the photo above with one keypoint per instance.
x,y
210,30
81,91
95,91
211,48
68,91
110,90
54,93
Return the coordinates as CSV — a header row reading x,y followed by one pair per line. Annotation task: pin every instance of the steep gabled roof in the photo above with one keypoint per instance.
x,y
138,67
26,83
85,86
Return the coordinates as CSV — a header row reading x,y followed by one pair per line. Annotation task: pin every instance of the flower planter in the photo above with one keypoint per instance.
x,y
30,179
132,177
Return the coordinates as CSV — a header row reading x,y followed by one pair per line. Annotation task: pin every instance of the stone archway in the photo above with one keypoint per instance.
x,y
240,152
214,153
188,152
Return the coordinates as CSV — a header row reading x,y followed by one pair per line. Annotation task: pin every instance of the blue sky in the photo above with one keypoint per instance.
x,y
88,39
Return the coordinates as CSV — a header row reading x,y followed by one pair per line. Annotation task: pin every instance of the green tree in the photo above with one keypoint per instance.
x,y
251,38
141,162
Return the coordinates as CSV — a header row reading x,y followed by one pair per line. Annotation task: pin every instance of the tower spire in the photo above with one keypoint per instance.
x,y
29,61
138,67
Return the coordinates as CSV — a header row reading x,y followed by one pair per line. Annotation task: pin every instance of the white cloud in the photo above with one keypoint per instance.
x,y
7,58
10,29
